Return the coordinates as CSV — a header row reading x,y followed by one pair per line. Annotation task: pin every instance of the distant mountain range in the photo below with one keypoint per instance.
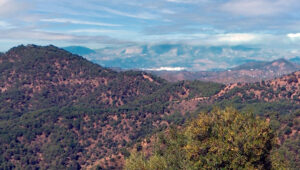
x,y
249,72
179,56
295,60
79,50
175,62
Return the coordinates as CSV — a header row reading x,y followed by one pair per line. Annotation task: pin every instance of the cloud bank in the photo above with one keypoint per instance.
x,y
269,24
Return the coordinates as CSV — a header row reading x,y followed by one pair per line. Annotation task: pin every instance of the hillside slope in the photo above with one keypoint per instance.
x,y
276,101
59,110
48,76
284,88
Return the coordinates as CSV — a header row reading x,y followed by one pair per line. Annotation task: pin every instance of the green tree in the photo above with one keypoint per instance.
x,y
222,139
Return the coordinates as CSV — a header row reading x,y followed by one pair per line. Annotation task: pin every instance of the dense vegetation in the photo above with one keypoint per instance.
x,y
58,110
221,139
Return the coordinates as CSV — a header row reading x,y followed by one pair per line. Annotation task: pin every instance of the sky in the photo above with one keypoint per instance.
x,y
100,23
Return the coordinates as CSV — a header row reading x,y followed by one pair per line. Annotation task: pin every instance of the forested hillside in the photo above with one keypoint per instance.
x,y
220,139
59,110
275,101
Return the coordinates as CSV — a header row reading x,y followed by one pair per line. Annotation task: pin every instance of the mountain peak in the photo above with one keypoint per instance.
x,y
281,60
31,46
79,50
32,51
284,64
295,60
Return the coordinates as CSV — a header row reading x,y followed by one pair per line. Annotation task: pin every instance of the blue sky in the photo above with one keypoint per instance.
x,y
100,23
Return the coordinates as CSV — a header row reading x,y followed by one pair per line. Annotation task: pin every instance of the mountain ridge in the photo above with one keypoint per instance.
x,y
295,60
248,72
79,50
59,110
97,110
191,57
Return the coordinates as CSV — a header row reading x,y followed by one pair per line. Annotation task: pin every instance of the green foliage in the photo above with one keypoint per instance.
x,y
230,140
59,110
282,114
290,151
137,161
58,107
205,89
223,139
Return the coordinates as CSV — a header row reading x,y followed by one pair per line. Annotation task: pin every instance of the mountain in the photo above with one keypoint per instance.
x,y
189,57
284,88
275,101
59,110
295,60
192,57
248,72
79,50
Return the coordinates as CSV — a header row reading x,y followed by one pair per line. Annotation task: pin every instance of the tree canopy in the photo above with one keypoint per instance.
x,y
222,139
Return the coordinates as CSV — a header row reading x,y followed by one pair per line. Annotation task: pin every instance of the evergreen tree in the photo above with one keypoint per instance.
x,y
222,139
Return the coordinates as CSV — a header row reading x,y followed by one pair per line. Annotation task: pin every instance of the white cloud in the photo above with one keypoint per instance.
x,y
133,50
236,38
4,24
166,69
143,15
93,31
12,7
294,36
210,39
2,2
72,21
167,11
172,53
187,1
257,7
205,61
34,35
51,37
120,34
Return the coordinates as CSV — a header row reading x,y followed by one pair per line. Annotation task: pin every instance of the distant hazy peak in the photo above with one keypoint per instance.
x,y
295,60
79,50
